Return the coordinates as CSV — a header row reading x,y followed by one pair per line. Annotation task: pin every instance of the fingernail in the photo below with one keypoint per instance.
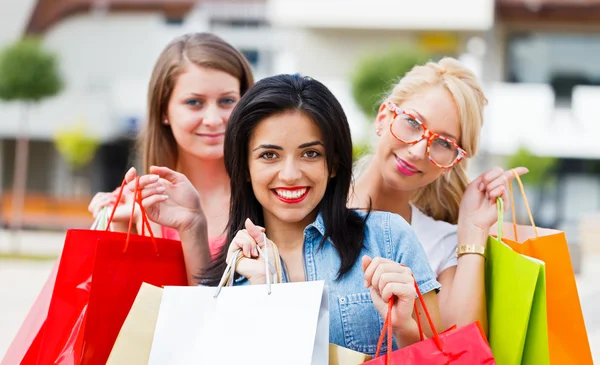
x,y
481,186
165,197
154,178
160,189
366,284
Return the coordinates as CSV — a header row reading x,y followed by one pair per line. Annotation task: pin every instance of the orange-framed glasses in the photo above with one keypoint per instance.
x,y
407,128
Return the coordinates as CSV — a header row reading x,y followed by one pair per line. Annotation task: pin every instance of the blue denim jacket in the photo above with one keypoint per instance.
x,y
354,321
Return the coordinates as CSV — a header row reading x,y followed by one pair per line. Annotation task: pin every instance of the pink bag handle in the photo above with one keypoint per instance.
x,y
387,327
145,223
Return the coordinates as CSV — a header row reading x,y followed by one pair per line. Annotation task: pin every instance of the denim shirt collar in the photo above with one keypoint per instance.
x,y
316,228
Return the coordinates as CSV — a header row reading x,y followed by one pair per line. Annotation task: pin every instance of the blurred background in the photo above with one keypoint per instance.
x,y
74,135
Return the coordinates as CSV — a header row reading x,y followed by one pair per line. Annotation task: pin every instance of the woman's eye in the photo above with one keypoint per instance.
x,y
311,154
227,101
268,155
412,122
193,102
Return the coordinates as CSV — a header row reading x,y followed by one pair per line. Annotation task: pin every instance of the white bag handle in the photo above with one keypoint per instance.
x,y
101,221
270,269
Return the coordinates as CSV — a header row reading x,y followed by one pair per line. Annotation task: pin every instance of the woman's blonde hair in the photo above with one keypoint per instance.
x,y
158,145
441,199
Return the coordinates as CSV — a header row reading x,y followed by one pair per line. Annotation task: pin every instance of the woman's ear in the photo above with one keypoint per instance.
x,y
333,171
381,118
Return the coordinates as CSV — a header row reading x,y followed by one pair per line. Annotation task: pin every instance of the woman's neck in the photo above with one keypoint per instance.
x,y
288,237
384,197
207,176
212,183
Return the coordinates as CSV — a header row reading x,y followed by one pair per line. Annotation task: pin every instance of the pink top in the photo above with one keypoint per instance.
x,y
214,244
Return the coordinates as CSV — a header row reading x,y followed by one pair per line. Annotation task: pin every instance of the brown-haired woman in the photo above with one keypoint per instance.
x,y
197,80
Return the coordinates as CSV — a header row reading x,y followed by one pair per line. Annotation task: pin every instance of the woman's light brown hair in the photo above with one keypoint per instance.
x,y
158,145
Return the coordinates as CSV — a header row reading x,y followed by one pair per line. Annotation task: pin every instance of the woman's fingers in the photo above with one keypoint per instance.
x,y
154,199
246,243
255,232
100,201
130,175
167,174
401,290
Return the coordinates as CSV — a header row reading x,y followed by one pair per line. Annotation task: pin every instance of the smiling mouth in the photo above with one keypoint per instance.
x,y
406,165
211,135
291,196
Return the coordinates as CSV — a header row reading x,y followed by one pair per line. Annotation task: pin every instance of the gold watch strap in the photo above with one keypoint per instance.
x,y
470,249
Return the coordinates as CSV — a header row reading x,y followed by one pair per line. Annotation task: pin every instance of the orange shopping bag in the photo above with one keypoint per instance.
x,y
567,336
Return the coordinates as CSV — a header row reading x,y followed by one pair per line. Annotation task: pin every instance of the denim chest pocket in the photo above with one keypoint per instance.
x,y
361,323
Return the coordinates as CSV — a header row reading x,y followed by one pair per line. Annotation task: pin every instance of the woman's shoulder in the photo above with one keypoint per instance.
x,y
429,229
382,229
383,220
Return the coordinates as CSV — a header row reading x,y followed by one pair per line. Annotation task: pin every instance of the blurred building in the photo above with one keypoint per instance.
x,y
326,39
537,59
106,51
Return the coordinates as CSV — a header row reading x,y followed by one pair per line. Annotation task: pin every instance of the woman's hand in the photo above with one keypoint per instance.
x,y
120,220
168,198
478,211
252,267
388,279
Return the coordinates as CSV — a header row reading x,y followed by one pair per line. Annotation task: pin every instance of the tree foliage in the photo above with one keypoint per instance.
x,y
540,168
28,72
377,73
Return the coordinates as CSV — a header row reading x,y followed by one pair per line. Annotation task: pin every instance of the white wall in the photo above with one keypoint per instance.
x,y
383,14
106,61
14,15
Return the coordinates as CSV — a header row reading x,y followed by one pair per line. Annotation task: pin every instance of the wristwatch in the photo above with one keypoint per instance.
x,y
470,249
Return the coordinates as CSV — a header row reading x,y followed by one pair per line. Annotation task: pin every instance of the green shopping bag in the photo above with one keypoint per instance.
x,y
516,303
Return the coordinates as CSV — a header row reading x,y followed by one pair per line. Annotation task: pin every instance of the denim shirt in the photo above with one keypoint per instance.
x,y
354,321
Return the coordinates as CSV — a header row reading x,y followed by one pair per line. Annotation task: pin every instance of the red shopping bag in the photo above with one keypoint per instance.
x,y
99,275
25,347
466,345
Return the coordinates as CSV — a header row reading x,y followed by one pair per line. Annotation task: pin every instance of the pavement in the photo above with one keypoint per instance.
x,y
22,280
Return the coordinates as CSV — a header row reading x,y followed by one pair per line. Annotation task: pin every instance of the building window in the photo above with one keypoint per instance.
x,y
253,56
238,23
561,60
174,20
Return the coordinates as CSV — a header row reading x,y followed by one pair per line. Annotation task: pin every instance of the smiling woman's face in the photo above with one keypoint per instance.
x,y
199,109
288,168
407,166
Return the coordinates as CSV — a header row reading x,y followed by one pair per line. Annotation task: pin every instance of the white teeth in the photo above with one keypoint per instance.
x,y
291,194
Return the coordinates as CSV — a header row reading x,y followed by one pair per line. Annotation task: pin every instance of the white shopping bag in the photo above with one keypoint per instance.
x,y
252,325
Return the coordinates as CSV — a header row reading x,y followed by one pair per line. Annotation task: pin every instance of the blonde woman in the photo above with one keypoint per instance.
x,y
427,126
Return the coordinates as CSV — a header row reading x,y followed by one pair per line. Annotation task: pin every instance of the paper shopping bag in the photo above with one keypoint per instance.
x,y
25,347
251,324
339,355
99,276
133,344
466,345
516,306
567,335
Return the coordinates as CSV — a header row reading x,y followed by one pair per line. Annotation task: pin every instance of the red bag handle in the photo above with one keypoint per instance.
x,y
145,223
387,327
